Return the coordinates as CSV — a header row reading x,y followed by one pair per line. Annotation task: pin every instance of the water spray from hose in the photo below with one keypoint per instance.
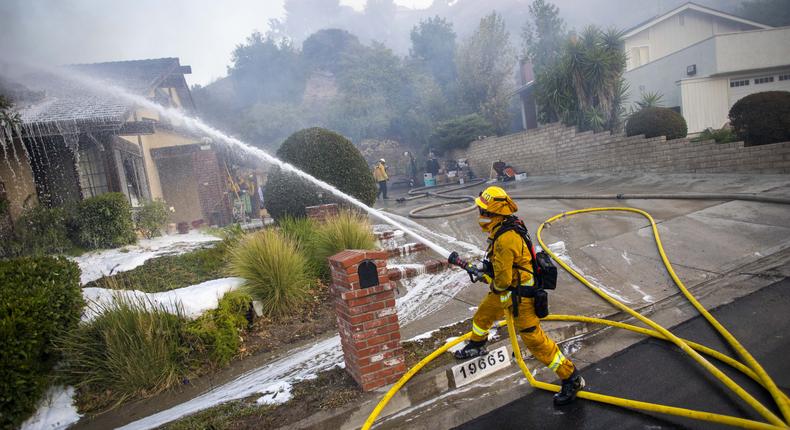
x,y
200,126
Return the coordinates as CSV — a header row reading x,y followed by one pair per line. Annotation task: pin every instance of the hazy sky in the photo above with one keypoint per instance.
x,y
201,32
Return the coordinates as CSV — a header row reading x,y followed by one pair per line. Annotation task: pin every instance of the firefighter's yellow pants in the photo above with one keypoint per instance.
x,y
493,307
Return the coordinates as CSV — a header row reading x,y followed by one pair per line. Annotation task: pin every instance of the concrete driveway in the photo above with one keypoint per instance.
x,y
702,238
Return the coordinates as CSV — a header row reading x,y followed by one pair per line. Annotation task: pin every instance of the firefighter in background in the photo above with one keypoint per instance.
x,y
381,177
507,257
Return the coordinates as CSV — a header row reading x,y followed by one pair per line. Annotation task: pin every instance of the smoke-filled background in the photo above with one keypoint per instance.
x,y
377,69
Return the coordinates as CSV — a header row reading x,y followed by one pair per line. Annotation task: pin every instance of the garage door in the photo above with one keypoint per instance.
x,y
742,87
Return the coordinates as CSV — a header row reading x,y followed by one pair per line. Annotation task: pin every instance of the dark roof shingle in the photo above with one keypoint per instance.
x,y
69,100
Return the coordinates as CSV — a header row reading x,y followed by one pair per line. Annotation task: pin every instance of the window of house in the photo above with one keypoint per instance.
x,y
784,77
639,55
763,80
93,174
739,83
131,171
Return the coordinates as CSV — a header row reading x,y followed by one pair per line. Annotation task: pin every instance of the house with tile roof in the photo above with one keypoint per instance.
x,y
79,140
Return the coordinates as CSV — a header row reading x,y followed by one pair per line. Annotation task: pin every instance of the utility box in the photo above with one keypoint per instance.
x,y
366,317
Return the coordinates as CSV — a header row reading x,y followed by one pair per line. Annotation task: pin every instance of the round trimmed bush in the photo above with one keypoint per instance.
x,y
327,156
762,118
657,121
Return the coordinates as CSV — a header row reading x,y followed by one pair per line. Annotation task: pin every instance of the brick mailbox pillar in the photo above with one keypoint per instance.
x,y
366,318
321,213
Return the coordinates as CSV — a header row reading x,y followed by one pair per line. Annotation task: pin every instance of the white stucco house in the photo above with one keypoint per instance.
x,y
703,60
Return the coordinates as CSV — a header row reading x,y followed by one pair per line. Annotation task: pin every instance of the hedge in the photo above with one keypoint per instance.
x,y
105,221
327,156
762,118
41,301
40,231
657,121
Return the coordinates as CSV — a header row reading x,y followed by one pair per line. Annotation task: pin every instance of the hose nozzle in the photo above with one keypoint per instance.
x,y
456,260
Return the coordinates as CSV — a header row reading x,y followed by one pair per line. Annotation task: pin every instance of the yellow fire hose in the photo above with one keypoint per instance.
x,y
751,368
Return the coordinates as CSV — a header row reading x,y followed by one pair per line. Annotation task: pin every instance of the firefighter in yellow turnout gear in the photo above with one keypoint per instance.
x,y
508,269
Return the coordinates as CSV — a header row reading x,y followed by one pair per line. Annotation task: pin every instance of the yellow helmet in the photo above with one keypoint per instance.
x,y
496,201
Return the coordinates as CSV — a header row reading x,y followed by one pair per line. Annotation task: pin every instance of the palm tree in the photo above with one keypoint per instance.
x,y
585,87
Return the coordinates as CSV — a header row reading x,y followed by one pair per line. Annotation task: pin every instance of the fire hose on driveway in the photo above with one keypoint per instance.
x,y
749,366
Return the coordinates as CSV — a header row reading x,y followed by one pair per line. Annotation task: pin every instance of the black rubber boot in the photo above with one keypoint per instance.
x,y
471,350
570,387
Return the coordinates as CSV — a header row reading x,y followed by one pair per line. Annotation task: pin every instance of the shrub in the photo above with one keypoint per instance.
x,y
105,221
274,270
327,156
41,231
41,301
722,135
217,331
132,349
657,121
348,230
762,118
458,132
152,217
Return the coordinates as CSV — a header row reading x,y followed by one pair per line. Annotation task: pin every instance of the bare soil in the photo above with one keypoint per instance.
x,y
331,390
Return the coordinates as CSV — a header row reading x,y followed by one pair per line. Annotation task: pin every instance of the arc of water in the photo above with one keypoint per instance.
x,y
200,126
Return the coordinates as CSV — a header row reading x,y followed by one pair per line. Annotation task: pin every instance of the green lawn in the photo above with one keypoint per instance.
x,y
170,272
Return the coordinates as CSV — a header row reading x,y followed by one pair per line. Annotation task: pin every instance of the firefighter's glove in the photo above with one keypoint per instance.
x,y
484,277
487,268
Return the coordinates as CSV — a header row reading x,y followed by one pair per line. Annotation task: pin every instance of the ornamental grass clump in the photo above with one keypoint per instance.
x,y
274,269
348,230
299,229
131,349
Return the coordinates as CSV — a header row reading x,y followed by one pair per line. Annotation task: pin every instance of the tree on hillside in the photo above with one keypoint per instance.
x,y
458,132
433,46
585,87
485,68
378,21
368,81
266,71
326,49
543,36
775,13
304,17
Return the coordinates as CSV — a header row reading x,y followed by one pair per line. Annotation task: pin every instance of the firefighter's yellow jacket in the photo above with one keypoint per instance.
x,y
380,173
509,250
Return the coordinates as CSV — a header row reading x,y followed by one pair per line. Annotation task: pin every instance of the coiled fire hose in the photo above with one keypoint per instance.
x,y
456,199
749,367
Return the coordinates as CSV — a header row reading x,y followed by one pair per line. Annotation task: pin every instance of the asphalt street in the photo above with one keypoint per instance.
x,y
656,371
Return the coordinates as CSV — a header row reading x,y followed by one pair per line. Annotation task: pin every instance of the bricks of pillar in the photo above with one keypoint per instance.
x,y
383,235
367,320
406,249
321,213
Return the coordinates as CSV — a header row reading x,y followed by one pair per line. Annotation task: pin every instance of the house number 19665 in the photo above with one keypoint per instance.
x,y
479,367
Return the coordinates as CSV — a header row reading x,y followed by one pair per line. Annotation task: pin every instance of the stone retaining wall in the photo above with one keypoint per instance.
x,y
555,149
